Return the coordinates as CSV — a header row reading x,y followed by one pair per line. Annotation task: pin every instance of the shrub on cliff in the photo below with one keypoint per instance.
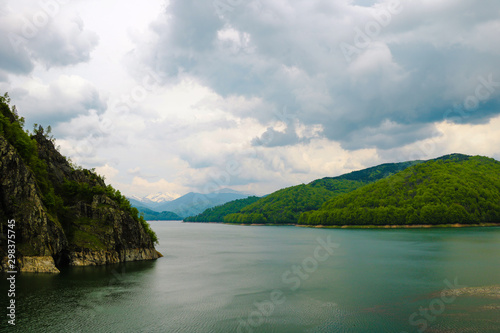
x,y
59,193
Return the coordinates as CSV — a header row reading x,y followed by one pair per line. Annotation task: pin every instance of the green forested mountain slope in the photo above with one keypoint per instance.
x,y
451,189
367,175
151,215
64,214
286,205
216,214
283,206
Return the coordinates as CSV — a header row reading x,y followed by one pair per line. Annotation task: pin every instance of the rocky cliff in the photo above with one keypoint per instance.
x,y
63,215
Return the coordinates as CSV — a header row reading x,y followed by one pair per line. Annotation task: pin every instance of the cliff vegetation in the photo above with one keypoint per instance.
x,y
62,211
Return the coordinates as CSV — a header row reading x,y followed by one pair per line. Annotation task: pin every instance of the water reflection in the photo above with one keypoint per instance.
x,y
213,277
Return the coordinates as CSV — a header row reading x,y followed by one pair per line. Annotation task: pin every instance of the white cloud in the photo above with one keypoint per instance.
x,y
142,186
49,103
48,33
173,95
107,171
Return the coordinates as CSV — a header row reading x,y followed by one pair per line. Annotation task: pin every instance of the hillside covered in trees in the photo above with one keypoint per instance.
x,y
64,214
151,215
448,190
217,213
286,205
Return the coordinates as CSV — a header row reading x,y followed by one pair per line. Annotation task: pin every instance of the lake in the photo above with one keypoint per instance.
x,y
226,278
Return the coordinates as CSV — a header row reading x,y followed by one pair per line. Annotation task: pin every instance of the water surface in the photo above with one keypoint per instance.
x,y
225,278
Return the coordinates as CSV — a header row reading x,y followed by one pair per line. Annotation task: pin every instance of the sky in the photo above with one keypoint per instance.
x,y
183,95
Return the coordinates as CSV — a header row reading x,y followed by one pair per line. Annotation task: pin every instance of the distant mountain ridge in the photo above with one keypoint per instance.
x,y
160,197
152,201
189,204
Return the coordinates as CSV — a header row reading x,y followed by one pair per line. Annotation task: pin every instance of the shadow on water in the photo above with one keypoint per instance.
x,y
105,270
77,294
84,275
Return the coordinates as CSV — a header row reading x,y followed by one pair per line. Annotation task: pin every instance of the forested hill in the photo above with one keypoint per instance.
x,y
452,189
286,205
151,215
217,213
61,214
367,175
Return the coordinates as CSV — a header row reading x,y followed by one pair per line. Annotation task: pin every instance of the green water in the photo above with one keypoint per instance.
x,y
224,278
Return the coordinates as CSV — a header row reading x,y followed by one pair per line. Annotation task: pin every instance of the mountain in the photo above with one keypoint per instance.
x,y
286,205
195,203
451,189
151,201
60,214
160,197
316,202
137,203
217,213
151,215
230,191
367,175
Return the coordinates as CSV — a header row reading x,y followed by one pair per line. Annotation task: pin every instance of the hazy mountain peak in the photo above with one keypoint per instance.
x,y
228,190
160,197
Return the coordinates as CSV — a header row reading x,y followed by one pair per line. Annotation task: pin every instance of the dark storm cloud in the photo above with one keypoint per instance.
x,y
425,59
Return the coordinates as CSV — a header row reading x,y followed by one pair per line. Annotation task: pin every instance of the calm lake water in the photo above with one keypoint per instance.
x,y
224,278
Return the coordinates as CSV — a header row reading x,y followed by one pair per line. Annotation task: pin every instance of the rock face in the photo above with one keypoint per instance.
x,y
67,217
38,264
36,233
88,258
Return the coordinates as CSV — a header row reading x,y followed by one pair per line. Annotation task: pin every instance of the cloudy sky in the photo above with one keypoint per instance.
x,y
184,95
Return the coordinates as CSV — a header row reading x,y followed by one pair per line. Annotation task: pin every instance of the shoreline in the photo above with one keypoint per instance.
x,y
385,226
400,226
